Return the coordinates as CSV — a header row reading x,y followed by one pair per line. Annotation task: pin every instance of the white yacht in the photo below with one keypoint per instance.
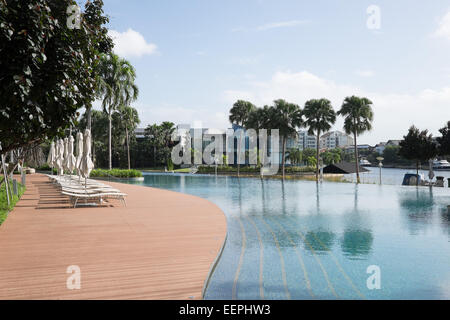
x,y
364,163
441,165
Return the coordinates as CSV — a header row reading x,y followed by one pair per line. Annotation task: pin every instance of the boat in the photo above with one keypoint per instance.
x,y
441,165
364,163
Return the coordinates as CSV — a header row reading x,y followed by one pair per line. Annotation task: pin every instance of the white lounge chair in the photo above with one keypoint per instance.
x,y
100,196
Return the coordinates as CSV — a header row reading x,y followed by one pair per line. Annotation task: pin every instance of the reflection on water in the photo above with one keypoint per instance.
x,y
356,244
321,241
302,240
418,208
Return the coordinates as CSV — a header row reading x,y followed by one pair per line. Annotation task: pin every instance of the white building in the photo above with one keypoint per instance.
x,y
335,139
306,141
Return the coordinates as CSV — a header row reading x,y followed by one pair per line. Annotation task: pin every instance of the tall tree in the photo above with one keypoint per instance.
x,y
358,116
47,70
116,85
287,118
258,119
129,120
331,157
320,116
418,146
295,156
444,141
160,138
239,115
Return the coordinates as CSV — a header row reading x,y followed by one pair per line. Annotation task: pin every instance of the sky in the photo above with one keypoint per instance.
x,y
195,58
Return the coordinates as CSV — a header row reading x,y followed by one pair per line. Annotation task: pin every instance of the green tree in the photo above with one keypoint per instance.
x,y
47,70
320,116
295,156
418,146
240,112
309,152
312,161
358,116
331,157
391,155
129,120
258,119
239,115
286,117
99,121
444,141
116,85
160,138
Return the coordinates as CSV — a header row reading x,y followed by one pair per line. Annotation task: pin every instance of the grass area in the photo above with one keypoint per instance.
x,y
184,170
116,173
4,208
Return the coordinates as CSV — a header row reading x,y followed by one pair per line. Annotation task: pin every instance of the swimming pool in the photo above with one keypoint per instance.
x,y
300,240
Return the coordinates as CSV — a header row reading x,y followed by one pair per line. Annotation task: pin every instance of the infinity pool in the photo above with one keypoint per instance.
x,y
300,240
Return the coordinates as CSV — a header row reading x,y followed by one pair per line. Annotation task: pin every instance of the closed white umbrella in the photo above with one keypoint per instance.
x,y
51,156
71,160
66,154
79,153
55,159
60,157
431,172
86,164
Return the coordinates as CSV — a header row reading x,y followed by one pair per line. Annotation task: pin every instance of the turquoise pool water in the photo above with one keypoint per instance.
x,y
300,240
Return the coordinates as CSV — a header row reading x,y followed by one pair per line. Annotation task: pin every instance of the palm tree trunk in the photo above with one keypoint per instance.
x,y
356,159
109,141
128,148
283,160
317,156
238,157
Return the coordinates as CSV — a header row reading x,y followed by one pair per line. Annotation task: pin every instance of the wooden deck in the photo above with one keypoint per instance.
x,y
161,246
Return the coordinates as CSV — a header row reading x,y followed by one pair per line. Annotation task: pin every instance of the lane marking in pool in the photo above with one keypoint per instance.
x,y
283,270
341,269
261,258
305,272
241,259
325,274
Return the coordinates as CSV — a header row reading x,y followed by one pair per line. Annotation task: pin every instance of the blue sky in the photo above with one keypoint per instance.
x,y
195,58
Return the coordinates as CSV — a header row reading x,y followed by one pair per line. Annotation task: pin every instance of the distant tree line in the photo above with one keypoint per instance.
x,y
317,116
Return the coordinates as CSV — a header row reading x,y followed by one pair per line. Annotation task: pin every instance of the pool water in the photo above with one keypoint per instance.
x,y
302,240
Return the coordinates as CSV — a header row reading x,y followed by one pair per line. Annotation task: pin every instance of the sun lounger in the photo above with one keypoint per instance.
x,y
86,189
99,196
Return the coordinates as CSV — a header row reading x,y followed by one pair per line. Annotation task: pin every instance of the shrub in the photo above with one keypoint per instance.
x,y
4,208
116,173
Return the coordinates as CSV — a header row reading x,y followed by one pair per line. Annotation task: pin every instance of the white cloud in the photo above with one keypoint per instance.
x,y
283,24
272,25
365,73
444,27
394,112
131,44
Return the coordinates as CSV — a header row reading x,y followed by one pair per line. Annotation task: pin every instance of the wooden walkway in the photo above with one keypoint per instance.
x,y
161,246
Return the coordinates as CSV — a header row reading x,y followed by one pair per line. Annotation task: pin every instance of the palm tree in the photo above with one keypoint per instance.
x,y
358,116
320,116
239,115
295,156
258,119
130,120
117,87
286,117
